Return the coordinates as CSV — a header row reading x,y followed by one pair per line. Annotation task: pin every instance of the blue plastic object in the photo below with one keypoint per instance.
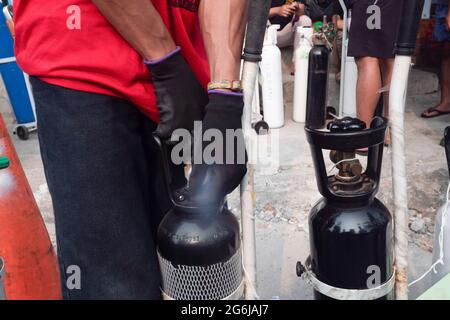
x,y
13,78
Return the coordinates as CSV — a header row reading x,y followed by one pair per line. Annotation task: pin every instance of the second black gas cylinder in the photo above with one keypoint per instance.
x,y
351,231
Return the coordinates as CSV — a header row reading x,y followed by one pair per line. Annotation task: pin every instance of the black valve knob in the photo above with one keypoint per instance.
x,y
300,268
347,124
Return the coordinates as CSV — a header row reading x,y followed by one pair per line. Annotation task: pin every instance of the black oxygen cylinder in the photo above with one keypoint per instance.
x,y
200,256
316,103
199,249
351,231
351,246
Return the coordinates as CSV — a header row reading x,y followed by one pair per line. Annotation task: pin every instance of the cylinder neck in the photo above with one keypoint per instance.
x,y
349,203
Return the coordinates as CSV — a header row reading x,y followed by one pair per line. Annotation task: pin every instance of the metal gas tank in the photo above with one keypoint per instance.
x,y
200,256
351,245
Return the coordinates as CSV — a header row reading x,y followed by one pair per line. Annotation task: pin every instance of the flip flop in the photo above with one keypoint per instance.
x,y
433,109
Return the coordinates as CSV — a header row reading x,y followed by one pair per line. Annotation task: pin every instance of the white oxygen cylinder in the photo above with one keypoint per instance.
x,y
272,81
351,78
442,228
442,218
301,60
303,21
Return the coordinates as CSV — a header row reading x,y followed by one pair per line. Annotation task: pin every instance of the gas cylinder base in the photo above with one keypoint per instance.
x,y
351,246
236,295
221,281
319,296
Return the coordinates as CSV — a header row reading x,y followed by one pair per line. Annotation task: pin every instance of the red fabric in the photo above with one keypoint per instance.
x,y
95,58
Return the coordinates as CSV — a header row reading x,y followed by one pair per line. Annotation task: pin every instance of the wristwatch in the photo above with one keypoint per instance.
x,y
235,85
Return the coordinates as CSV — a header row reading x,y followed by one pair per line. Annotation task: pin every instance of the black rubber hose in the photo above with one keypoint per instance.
x,y
256,28
409,26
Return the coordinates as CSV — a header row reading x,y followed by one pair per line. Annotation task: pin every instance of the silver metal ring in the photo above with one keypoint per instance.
x,y
348,294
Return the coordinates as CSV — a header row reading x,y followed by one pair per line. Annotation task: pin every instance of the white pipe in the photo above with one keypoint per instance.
x,y
343,56
249,76
397,98
302,50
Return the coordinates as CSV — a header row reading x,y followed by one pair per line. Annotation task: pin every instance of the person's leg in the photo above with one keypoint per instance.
x,y
387,67
367,87
444,104
445,78
441,34
285,37
97,171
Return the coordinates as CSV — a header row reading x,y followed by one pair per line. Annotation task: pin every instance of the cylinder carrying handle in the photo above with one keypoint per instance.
x,y
372,138
348,141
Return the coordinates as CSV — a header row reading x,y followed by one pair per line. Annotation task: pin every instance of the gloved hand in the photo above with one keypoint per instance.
x,y
210,183
180,97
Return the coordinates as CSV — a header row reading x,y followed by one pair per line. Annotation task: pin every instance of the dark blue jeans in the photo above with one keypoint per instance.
x,y
108,195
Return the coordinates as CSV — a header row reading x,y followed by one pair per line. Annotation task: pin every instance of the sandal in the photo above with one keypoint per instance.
x,y
438,113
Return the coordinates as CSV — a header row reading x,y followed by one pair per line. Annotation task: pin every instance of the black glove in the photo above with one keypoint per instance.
x,y
179,96
210,183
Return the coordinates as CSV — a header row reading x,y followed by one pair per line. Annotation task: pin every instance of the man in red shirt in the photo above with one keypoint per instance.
x,y
106,74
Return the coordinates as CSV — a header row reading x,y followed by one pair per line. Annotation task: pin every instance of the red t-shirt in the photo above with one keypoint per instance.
x,y
94,57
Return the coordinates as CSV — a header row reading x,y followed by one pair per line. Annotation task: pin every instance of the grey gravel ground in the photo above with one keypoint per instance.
x,y
285,194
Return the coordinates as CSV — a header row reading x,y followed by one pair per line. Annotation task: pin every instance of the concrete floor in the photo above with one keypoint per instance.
x,y
285,193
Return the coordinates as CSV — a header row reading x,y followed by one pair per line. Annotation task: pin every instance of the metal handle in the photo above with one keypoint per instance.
x,y
167,174
256,28
409,26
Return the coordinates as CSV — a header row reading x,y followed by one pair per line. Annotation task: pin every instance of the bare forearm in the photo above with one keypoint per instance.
x,y
223,27
140,24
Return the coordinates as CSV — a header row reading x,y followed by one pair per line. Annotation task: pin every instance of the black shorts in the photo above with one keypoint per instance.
x,y
373,41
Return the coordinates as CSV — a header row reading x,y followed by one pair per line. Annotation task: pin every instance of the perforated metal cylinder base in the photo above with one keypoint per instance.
x,y
221,281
